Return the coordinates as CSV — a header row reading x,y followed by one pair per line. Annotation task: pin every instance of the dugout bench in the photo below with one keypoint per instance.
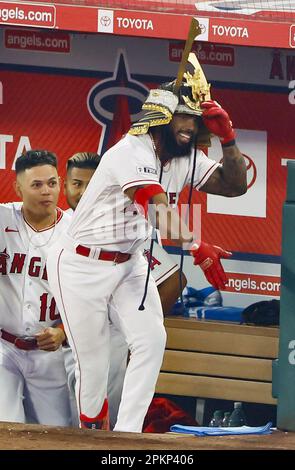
x,y
219,360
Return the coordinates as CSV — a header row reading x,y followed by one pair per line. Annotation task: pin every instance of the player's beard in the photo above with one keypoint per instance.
x,y
172,148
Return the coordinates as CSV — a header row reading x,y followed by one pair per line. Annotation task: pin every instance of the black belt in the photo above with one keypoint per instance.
x,y
104,255
28,343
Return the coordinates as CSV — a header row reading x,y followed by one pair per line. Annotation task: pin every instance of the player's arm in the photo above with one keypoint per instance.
x,y
153,199
229,179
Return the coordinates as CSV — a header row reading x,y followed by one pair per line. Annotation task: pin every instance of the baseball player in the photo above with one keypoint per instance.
x,y
32,372
80,169
99,259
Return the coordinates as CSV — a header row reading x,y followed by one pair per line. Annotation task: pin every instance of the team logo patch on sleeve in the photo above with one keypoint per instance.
x,y
147,170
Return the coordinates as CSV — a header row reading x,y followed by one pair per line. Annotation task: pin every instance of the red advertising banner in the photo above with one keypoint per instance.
x,y
253,284
207,53
28,14
34,40
261,234
84,18
46,112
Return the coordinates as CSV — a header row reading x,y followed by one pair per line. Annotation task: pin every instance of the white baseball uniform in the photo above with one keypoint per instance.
x,y
33,382
84,284
162,267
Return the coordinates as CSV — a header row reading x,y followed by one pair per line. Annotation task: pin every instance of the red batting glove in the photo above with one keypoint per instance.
x,y
217,121
208,258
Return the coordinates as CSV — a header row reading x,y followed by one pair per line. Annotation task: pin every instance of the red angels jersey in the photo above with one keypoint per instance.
x,y
26,305
105,217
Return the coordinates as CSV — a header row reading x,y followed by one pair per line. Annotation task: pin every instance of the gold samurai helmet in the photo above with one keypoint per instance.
x,y
162,102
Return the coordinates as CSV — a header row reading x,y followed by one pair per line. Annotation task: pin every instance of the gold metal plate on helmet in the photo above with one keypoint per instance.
x,y
198,83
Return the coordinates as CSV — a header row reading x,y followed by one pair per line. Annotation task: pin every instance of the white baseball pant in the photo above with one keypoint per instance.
x,y
83,288
33,384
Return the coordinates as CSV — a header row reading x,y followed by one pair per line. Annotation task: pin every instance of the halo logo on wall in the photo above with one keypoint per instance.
x,y
251,171
115,102
254,143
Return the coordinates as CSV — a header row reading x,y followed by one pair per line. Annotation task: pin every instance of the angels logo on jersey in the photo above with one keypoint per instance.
x,y
17,264
115,102
4,256
152,260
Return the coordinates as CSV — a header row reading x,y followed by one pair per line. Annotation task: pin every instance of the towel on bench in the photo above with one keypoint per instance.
x,y
220,431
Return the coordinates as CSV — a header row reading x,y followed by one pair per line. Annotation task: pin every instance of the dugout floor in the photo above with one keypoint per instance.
x,y
35,437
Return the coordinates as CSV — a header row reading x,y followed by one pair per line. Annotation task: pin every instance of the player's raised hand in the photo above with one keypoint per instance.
x,y
50,339
208,258
217,121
